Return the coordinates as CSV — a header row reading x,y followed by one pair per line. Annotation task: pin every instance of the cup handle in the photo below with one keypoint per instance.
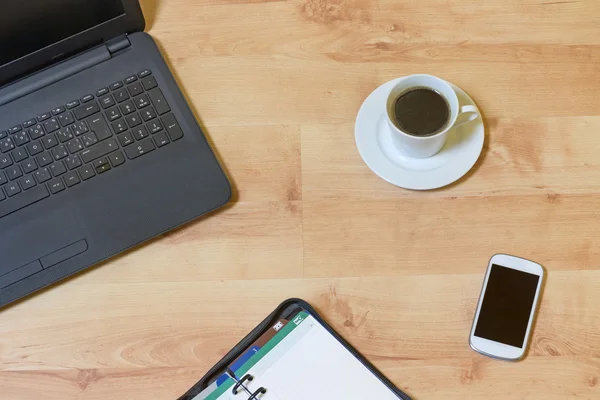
x,y
467,114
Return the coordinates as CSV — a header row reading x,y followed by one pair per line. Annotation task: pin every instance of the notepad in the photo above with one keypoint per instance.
x,y
304,361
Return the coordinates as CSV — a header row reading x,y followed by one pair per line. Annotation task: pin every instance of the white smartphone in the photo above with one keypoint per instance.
x,y
506,308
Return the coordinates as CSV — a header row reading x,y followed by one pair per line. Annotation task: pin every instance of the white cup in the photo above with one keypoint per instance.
x,y
426,146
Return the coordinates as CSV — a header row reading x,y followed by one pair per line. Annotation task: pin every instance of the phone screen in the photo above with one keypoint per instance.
x,y
506,306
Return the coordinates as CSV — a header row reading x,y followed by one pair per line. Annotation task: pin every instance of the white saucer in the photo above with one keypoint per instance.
x,y
374,142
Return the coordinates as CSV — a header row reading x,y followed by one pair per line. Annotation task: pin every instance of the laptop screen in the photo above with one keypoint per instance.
x,y
30,25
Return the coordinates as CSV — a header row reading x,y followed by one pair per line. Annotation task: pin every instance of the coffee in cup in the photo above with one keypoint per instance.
x,y
421,111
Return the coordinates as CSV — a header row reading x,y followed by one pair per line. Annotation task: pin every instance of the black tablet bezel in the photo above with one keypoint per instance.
x,y
131,21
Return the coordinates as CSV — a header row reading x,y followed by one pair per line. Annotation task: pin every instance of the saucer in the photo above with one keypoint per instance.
x,y
453,161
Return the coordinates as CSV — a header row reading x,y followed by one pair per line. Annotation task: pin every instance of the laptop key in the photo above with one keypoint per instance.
x,y
56,185
113,114
103,169
144,73
86,172
50,141
60,152
116,85
44,159
116,158
15,129
21,138
36,132
64,135
85,110
58,110
35,148
72,104
127,108
66,119
27,182
51,125
99,126
148,114
5,161
119,126
154,126
121,95
71,178
149,83
158,100
3,134
74,145
102,92
29,122
44,116
130,79
99,150
100,162
58,168
140,148
172,127
43,175
29,166
13,189
140,132
89,139
19,155
3,178
87,98
141,101
79,128
135,89
14,172
161,139
73,162
133,120
6,144
125,139
29,197
107,101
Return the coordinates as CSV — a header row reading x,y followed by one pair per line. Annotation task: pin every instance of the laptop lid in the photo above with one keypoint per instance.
x,y
37,33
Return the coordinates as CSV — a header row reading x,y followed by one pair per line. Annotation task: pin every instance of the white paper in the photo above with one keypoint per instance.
x,y
310,364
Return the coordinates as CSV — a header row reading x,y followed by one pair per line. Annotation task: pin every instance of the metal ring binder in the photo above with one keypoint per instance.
x,y
262,390
240,383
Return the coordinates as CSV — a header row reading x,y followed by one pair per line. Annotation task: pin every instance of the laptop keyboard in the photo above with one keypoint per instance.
x,y
77,141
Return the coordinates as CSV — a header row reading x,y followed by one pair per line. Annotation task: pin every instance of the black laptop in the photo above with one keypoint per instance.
x,y
99,150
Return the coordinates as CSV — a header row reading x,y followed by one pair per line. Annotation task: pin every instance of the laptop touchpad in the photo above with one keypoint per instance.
x,y
50,238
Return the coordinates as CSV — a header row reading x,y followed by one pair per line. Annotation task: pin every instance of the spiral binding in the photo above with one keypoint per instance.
x,y
239,383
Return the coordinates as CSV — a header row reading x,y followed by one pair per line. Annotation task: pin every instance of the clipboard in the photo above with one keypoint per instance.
x,y
251,372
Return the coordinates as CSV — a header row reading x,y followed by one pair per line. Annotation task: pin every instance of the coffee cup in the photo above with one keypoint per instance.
x,y
421,111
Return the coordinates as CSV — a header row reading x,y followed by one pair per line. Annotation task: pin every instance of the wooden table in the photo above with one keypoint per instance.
x,y
277,84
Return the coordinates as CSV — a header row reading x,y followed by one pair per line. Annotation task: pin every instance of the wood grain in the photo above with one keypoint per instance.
x,y
277,84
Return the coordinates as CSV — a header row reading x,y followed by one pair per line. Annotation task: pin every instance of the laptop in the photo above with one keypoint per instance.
x,y
99,150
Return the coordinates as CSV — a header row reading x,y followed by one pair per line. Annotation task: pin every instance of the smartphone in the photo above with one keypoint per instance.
x,y
507,307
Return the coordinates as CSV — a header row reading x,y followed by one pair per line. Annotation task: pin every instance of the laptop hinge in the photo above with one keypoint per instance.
x,y
117,44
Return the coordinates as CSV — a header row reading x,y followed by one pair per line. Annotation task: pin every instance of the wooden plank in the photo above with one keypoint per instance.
x,y
414,328
522,156
277,85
